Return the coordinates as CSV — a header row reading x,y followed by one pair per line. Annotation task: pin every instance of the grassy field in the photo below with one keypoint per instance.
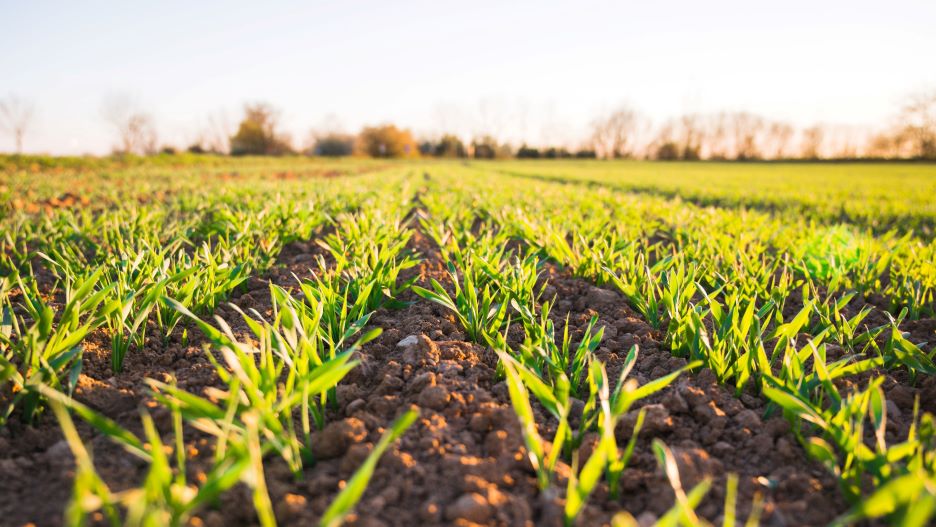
x,y
212,341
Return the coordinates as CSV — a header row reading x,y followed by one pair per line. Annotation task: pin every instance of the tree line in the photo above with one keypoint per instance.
x,y
623,133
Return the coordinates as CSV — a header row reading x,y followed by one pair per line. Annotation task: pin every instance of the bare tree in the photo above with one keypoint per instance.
x,y
746,128
16,115
813,138
135,130
693,136
844,141
214,134
615,136
883,145
718,136
665,146
918,123
779,135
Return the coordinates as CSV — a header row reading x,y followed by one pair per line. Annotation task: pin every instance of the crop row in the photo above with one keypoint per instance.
x,y
718,303
165,265
880,197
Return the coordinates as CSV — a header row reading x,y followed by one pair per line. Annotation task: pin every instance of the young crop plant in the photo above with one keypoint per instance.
x,y
903,474
338,309
455,238
282,376
734,349
371,246
553,358
683,511
603,409
486,278
166,496
266,388
837,326
582,250
899,351
14,249
658,292
482,312
38,351
127,322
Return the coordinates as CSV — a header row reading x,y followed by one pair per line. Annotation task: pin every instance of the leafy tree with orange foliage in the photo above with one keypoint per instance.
x,y
386,141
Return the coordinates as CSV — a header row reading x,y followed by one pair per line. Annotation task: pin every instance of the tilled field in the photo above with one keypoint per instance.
x,y
733,435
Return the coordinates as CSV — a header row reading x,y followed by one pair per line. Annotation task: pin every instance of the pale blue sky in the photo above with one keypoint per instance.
x,y
541,70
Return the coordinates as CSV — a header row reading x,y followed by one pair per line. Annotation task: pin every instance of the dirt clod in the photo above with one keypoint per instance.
x,y
333,441
472,507
434,397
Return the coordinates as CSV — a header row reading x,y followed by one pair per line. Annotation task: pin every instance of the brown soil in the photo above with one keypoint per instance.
x,y
463,461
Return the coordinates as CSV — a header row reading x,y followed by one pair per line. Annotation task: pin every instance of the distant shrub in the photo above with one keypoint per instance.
x,y
257,134
450,146
668,151
334,145
486,147
528,152
556,153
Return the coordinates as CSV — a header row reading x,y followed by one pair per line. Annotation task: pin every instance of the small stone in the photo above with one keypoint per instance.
x,y
434,397
472,507
411,340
